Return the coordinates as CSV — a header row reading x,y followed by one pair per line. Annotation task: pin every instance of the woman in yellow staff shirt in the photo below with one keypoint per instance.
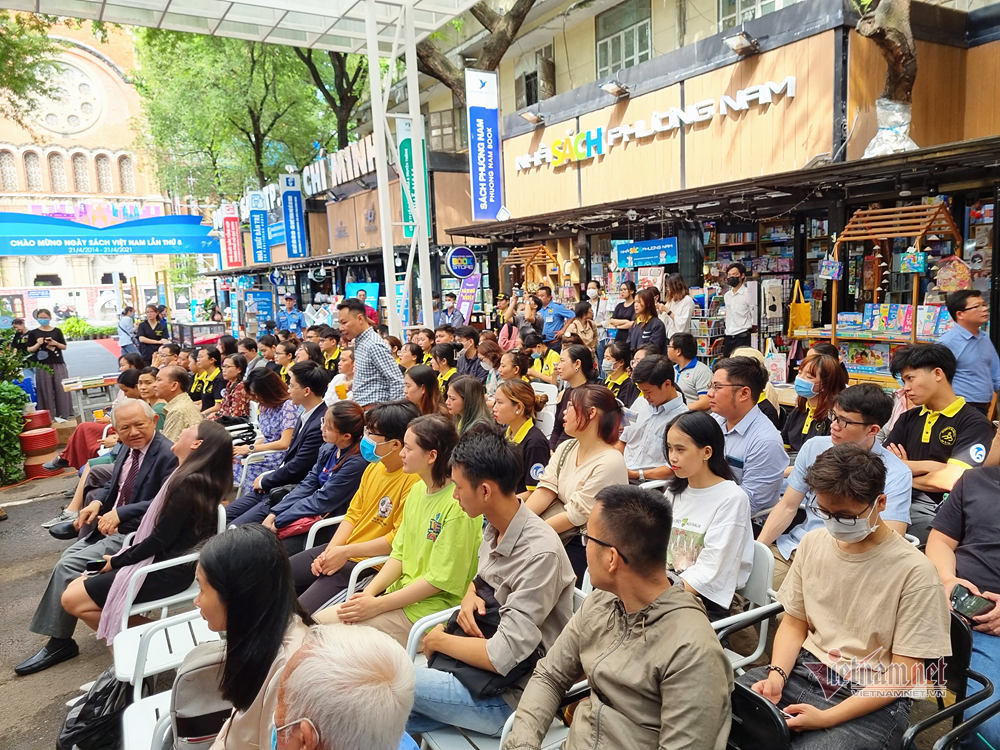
x,y
545,360
435,552
443,362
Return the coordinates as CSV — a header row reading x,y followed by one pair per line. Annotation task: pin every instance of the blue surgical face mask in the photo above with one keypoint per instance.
x,y
804,388
536,355
368,447
43,321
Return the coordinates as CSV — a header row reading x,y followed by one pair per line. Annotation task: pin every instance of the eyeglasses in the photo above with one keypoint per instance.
x,y
843,421
980,306
717,386
845,519
585,538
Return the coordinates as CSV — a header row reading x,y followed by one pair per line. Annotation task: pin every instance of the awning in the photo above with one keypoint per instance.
x,y
332,260
950,167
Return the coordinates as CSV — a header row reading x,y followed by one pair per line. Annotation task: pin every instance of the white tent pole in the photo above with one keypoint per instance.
x,y
381,166
417,136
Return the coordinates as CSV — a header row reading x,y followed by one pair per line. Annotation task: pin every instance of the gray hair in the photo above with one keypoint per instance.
x,y
146,409
354,683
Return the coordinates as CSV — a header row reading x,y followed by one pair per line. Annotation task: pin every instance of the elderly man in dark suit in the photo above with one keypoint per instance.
x,y
115,511
306,387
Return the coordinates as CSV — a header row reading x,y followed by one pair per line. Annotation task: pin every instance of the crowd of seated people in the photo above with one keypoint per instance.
x,y
451,479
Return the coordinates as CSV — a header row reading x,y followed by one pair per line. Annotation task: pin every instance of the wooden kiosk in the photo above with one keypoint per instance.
x,y
533,261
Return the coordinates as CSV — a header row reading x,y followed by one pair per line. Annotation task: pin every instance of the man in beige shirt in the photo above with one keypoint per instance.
x,y
180,411
864,609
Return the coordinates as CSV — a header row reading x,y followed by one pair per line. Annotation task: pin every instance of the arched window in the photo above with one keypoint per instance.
x,y
105,182
81,174
126,175
33,171
57,174
8,172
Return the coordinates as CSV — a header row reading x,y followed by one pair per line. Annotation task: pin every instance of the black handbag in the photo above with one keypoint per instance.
x,y
482,683
95,721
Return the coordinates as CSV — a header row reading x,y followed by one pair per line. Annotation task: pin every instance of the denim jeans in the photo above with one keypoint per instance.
x,y
440,700
880,730
986,660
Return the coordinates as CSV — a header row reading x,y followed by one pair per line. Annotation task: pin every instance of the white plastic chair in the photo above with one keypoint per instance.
x,y
545,420
145,720
759,593
550,390
654,484
352,581
157,647
314,529
249,460
912,539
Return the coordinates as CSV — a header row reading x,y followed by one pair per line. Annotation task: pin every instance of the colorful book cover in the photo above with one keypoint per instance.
x,y
945,323
927,320
883,317
906,321
892,319
869,317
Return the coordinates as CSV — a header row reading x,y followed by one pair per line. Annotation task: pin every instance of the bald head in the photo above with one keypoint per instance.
x,y
171,381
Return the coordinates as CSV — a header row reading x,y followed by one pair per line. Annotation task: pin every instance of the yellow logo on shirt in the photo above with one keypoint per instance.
x,y
947,436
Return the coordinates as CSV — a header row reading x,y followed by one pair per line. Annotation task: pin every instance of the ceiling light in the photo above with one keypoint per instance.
x,y
741,43
615,88
535,118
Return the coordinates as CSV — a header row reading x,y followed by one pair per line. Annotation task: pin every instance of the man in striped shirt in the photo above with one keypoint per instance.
x,y
377,377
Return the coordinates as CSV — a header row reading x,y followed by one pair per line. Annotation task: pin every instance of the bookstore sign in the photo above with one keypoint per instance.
x,y
601,141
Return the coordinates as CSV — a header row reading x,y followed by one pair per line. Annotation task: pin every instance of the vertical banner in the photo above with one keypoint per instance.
x,y
263,303
232,238
404,129
485,171
467,296
258,227
292,212
402,299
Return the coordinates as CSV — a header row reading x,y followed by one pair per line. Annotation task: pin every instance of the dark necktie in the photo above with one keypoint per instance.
x,y
125,488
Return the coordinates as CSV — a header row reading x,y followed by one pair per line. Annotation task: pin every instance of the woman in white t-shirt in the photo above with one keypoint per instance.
x,y
676,310
340,386
711,542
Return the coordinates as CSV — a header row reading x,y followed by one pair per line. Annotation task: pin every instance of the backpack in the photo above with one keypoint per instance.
x,y
197,708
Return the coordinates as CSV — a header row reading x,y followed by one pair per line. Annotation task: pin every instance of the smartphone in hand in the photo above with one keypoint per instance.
x,y
967,604
95,566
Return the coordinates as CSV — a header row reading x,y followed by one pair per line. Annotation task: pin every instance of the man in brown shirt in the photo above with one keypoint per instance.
x,y
180,412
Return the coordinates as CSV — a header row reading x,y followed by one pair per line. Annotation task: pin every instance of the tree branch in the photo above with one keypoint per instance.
x,y
888,25
483,13
432,62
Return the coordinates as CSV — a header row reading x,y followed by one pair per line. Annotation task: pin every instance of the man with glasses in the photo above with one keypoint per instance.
x,y
977,374
658,675
856,417
755,450
863,611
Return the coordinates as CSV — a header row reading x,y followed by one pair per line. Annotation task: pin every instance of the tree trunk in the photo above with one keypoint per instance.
x,y
432,62
888,25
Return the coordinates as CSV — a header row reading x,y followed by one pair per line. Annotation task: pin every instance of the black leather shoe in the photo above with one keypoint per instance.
x,y
56,463
64,530
49,655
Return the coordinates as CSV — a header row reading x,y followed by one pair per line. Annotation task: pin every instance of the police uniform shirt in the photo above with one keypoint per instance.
x,y
958,434
534,454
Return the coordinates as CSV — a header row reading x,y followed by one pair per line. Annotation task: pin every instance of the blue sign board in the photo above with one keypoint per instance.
x,y
258,228
646,253
275,235
460,262
293,213
485,169
264,301
39,293
27,234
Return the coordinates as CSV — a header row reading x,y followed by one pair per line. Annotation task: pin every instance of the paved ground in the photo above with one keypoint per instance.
x,y
34,706
91,358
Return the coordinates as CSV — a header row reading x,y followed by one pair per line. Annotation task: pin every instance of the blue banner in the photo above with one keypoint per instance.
x,y
485,169
264,303
27,234
275,235
292,212
258,228
646,253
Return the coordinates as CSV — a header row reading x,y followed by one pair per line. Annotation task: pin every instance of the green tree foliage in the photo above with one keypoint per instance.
x,y
27,64
342,81
225,115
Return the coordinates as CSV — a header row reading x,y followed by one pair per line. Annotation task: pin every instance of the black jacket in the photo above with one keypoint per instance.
x,y
157,465
301,454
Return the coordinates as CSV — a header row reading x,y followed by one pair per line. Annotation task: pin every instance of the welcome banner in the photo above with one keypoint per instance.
x,y
26,234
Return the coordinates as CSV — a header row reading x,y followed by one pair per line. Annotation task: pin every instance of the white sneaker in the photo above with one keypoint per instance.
x,y
64,515
59,420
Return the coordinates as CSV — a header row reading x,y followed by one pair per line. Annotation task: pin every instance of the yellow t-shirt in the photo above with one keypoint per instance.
x,y
376,510
547,364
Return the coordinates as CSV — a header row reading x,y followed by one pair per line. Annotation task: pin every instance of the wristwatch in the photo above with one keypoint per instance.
x,y
642,475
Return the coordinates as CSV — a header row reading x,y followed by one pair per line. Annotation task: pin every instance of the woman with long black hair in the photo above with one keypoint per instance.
x,y
711,542
247,593
647,328
182,515
575,368
420,388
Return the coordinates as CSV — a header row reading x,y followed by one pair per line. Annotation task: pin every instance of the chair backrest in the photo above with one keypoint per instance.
x,y
761,576
221,510
957,665
756,722
548,389
545,420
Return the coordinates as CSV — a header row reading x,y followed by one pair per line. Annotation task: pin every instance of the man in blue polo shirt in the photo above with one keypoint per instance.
x,y
754,448
856,417
290,319
977,375
554,317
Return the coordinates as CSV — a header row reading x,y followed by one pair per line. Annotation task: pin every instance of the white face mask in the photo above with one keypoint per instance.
x,y
449,303
842,532
592,293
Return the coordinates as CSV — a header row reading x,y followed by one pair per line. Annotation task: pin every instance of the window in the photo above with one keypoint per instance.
x,y
538,82
81,174
57,174
447,130
8,172
126,176
623,37
104,181
33,172
734,12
